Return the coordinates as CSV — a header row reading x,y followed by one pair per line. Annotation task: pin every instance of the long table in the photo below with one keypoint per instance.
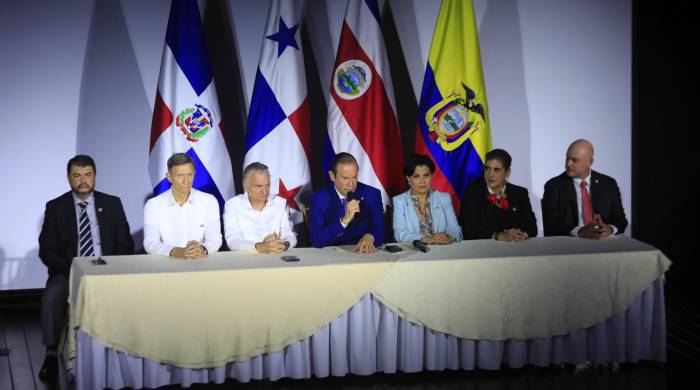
x,y
148,321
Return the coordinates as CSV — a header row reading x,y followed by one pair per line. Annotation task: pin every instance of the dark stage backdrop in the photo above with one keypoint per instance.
x,y
664,122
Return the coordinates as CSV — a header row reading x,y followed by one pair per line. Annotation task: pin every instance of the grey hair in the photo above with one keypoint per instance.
x,y
179,159
255,167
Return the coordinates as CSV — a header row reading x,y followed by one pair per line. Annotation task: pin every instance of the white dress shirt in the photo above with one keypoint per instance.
x,y
167,225
245,226
579,205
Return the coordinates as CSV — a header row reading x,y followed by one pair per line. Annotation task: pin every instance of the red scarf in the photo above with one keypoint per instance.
x,y
499,201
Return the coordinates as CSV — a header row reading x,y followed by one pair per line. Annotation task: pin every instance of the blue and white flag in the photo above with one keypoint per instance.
x,y
278,132
186,115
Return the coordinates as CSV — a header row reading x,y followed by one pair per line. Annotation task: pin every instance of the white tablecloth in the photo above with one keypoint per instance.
x,y
371,337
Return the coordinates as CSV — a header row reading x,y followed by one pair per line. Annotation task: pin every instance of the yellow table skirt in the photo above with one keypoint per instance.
x,y
207,318
234,306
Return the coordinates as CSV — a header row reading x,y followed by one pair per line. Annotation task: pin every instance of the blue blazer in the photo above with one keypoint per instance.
x,y
406,228
326,210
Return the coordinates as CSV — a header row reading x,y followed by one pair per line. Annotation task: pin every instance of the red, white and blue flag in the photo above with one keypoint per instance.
x,y
278,132
186,115
362,109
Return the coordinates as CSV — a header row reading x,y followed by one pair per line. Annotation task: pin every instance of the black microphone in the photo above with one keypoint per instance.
x,y
418,244
350,196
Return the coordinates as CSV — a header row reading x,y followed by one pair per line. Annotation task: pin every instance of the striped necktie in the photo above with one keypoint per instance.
x,y
84,233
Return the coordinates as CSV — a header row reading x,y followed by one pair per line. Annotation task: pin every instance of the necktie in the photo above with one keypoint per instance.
x,y
84,233
586,206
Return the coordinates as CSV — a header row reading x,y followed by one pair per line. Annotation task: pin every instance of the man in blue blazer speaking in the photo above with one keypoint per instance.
x,y
348,212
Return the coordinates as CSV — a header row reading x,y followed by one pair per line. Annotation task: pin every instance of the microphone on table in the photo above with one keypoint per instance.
x,y
418,244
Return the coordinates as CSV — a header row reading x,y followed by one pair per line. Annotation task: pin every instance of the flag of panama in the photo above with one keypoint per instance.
x,y
186,115
278,132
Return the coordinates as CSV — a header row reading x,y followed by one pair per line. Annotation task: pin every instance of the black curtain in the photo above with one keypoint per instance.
x,y
664,118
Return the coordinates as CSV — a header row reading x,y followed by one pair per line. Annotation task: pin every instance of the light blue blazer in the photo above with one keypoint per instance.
x,y
406,228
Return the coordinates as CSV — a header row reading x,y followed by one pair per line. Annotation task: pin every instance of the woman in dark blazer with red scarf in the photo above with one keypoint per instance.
x,y
492,208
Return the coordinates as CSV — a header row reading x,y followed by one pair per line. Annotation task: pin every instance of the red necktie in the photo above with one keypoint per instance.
x,y
586,206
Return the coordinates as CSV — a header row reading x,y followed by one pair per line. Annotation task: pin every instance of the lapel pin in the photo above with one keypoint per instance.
x,y
99,210
515,209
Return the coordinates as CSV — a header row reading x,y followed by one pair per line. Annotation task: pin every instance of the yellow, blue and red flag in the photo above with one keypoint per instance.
x,y
453,125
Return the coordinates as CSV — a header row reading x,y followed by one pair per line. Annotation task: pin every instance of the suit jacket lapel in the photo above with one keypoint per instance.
x,y
439,222
69,207
335,198
99,208
571,196
594,192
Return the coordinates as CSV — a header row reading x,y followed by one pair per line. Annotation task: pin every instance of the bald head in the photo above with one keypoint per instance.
x,y
582,144
579,159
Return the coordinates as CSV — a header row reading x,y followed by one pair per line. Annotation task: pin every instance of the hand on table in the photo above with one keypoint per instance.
x,y
366,244
272,243
512,235
193,251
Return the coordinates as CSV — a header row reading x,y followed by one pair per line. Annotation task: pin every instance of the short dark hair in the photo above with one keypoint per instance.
x,y
342,158
81,160
500,155
416,160
179,159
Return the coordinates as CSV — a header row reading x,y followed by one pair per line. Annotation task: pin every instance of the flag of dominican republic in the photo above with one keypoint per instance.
x,y
186,115
453,121
362,109
278,132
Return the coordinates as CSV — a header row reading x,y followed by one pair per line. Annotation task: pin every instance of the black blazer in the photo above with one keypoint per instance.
x,y
560,206
480,218
58,240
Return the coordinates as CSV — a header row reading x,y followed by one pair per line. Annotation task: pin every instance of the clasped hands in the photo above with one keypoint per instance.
x,y
511,235
437,239
596,229
271,244
193,251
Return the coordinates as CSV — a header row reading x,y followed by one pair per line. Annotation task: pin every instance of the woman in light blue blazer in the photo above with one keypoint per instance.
x,y
422,213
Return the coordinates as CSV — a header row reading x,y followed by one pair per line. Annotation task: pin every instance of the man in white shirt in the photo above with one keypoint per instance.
x,y
257,221
182,222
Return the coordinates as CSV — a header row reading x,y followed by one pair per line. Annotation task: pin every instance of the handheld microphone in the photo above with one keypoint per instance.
x,y
350,196
418,244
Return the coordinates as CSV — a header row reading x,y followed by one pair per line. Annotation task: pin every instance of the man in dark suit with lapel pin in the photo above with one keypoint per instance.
x,y
582,202
348,212
81,222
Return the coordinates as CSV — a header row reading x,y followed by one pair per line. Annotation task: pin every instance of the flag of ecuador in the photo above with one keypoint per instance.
x,y
453,121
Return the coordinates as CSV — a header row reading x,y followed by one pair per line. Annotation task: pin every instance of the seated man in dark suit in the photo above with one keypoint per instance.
x,y
348,212
81,222
582,202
